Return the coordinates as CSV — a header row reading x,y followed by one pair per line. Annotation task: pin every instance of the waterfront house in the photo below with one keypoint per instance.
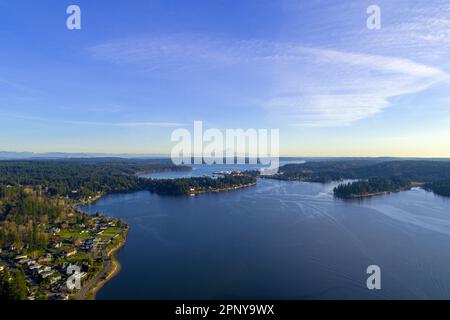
x,y
55,245
83,275
24,261
71,253
45,275
53,230
55,279
47,268
36,266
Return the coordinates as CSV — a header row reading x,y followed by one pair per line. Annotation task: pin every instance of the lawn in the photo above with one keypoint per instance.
x,y
111,232
66,234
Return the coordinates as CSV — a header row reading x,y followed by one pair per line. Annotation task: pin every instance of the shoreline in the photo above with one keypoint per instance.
x,y
373,194
105,274
115,267
113,271
88,201
194,193
141,173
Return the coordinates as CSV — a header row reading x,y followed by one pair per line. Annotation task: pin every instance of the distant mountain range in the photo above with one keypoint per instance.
x,y
9,155
12,155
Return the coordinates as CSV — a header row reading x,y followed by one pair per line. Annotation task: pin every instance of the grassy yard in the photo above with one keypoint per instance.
x,y
111,232
79,257
66,234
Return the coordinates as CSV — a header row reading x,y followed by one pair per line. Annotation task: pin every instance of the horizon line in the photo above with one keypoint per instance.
x,y
168,156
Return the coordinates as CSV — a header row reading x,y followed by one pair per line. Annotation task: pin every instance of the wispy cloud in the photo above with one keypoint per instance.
x,y
10,87
124,124
346,87
93,123
104,108
417,31
309,86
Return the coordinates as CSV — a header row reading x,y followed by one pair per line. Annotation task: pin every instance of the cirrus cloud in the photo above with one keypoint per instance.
x,y
308,86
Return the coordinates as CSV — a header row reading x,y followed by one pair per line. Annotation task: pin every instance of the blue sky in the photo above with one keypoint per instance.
x,y
138,69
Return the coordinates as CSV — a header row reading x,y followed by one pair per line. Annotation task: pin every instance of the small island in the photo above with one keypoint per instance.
x,y
371,187
197,185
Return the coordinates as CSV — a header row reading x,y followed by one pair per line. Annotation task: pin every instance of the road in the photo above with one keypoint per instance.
x,y
82,294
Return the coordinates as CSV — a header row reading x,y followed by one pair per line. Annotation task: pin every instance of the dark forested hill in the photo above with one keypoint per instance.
x,y
194,185
377,176
370,187
414,170
78,178
441,188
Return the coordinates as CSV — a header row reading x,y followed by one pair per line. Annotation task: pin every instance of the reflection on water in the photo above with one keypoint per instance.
x,y
280,240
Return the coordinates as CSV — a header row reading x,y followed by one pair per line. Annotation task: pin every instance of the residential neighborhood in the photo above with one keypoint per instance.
x,y
71,246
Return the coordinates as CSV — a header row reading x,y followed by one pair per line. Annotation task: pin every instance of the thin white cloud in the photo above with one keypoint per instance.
x,y
94,123
420,31
309,86
124,124
106,108
6,87
342,87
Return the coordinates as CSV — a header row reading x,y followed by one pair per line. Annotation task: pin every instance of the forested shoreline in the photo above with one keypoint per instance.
x,y
375,176
39,219
81,178
441,188
195,185
371,187
42,232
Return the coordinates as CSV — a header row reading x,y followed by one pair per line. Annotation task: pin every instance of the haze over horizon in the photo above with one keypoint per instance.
x,y
137,71
25,155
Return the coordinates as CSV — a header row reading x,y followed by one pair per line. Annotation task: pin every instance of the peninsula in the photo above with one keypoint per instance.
x,y
43,235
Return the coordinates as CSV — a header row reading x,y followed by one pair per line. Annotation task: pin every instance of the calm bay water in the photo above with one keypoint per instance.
x,y
280,240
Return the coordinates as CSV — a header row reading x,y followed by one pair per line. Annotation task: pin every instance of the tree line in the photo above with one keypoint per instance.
x,y
441,188
13,285
81,178
371,186
185,186
415,170
375,175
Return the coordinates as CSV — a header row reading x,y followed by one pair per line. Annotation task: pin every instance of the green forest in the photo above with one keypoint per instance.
x,y
13,285
441,188
198,184
81,178
375,175
334,170
22,211
372,186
